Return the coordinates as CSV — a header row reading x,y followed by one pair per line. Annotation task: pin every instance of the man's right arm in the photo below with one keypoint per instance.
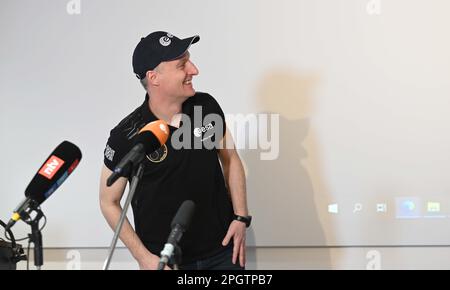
x,y
110,205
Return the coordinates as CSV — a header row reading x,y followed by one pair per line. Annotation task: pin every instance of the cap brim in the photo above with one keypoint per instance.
x,y
181,49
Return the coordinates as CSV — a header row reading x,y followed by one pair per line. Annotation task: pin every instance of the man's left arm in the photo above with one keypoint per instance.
x,y
235,178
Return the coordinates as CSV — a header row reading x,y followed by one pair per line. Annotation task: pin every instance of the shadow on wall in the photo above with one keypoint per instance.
x,y
281,194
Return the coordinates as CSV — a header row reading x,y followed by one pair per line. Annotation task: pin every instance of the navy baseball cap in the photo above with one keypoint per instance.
x,y
157,47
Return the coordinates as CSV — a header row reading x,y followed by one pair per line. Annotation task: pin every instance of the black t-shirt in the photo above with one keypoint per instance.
x,y
173,175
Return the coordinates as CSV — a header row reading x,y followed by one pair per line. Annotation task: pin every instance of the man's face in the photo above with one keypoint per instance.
x,y
176,77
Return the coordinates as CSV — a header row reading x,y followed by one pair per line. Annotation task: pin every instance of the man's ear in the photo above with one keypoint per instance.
x,y
152,77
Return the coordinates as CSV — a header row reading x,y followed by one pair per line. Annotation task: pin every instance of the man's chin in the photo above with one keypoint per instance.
x,y
191,94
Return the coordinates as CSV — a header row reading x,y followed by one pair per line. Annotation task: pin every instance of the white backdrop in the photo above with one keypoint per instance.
x,y
361,87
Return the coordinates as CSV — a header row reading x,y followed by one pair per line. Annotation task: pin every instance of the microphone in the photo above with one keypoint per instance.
x,y
150,138
179,225
57,167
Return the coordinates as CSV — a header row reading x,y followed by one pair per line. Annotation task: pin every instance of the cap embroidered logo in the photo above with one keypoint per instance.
x,y
165,41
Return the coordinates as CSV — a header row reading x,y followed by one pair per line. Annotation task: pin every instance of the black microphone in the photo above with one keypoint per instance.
x,y
179,225
57,167
150,138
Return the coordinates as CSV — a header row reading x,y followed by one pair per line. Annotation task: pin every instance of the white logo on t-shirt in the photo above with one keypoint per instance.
x,y
198,131
109,153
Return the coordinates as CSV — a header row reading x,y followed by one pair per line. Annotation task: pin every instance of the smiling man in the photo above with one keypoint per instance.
x,y
211,177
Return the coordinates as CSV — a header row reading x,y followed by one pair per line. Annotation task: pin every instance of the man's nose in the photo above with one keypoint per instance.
x,y
193,70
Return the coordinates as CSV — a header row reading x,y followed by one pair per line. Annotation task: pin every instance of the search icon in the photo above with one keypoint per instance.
x,y
357,208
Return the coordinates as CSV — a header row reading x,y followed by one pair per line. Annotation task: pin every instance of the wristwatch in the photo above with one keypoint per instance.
x,y
245,219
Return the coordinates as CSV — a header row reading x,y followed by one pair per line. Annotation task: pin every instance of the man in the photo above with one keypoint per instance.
x,y
174,173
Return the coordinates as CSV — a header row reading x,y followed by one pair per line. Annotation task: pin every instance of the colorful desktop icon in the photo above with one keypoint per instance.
x,y
407,207
381,207
333,208
433,207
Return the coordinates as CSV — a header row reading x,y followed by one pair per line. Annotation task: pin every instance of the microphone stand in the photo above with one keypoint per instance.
x,y
137,175
36,237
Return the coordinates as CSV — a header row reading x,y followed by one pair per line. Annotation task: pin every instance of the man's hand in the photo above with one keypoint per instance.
x,y
236,231
150,262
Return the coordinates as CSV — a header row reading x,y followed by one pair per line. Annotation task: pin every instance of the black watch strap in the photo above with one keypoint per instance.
x,y
245,219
